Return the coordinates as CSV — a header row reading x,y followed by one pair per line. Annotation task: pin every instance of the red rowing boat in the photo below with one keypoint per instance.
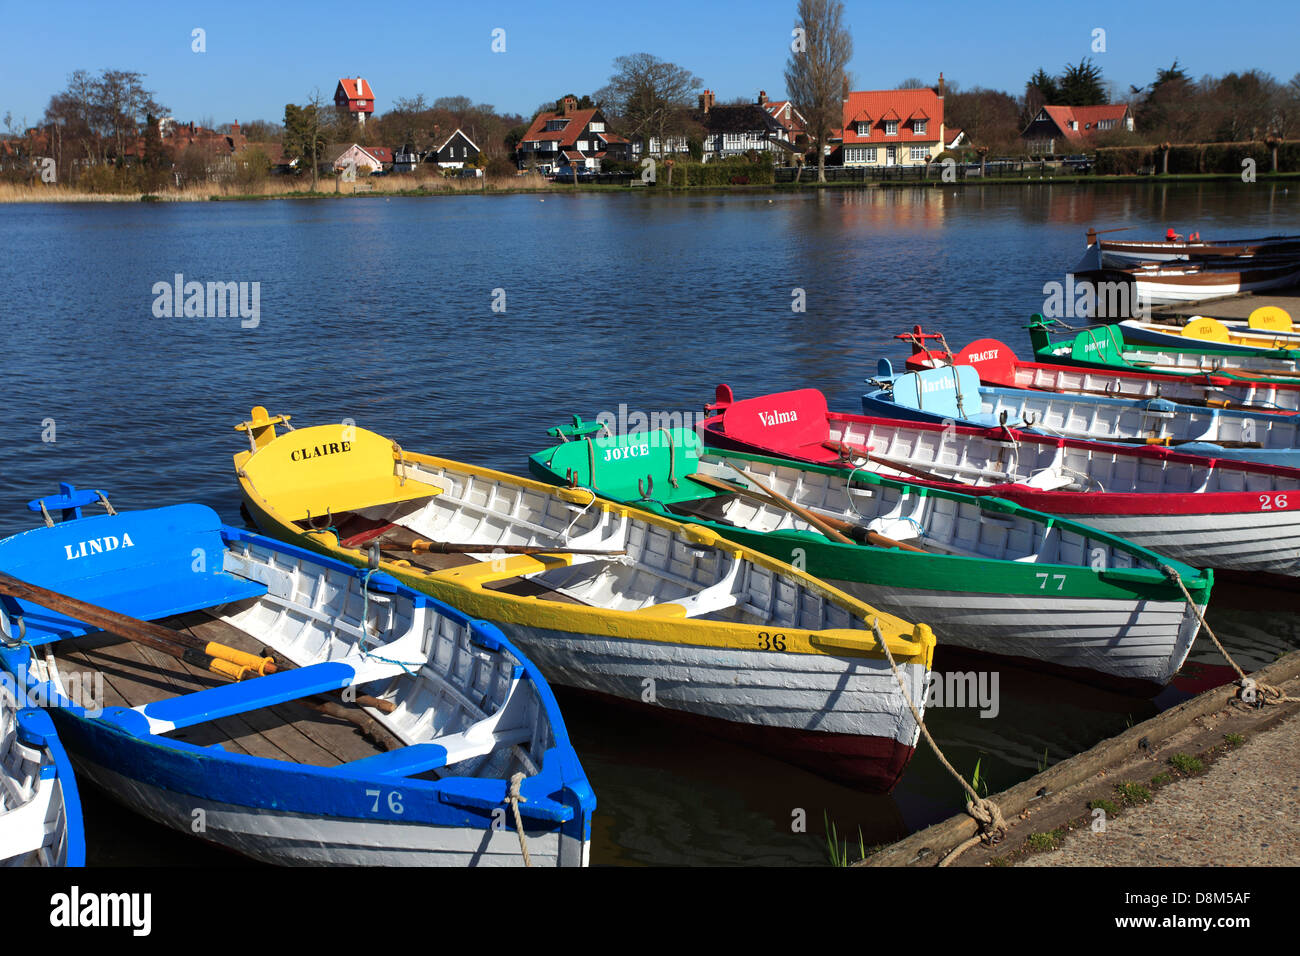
x,y
1208,512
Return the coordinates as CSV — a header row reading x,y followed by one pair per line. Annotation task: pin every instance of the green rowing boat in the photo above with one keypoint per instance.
x,y
989,575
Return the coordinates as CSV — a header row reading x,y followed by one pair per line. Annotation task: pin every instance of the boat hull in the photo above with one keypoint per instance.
x,y
1265,542
1142,643
841,717
263,813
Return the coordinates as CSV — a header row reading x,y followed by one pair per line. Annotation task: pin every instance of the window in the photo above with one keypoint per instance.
x,y
582,145
597,126
918,127
864,129
556,124
870,155
918,153
891,127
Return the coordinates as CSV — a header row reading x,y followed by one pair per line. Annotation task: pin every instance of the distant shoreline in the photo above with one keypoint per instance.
x,y
17,195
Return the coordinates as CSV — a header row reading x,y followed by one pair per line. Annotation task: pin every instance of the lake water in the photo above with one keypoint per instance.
x,y
381,310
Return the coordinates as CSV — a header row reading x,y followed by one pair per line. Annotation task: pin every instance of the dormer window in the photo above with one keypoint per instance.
x,y
556,124
891,127
918,127
864,129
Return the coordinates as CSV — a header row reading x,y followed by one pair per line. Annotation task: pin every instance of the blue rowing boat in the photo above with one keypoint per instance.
x,y
309,712
40,810
953,394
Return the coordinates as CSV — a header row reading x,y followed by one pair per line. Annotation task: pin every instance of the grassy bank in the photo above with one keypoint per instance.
x,y
285,188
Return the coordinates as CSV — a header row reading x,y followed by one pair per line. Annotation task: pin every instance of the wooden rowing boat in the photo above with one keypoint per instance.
x,y
1119,253
1218,334
40,810
629,605
989,575
954,394
1207,512
440,716
1104,347
1168,283
998,366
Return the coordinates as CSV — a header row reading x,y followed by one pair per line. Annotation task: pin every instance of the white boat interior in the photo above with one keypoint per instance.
x,y
940,524
645,565
902,451
430,681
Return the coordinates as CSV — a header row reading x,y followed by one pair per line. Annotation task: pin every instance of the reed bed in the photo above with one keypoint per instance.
x,y
281,187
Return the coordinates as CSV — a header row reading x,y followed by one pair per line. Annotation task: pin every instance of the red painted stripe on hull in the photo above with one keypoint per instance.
x,y
1069,503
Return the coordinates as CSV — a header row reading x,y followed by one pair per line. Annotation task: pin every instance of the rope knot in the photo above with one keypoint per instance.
x,y
514,798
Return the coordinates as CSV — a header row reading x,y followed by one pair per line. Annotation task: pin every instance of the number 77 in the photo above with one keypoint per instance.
x,y
1043,576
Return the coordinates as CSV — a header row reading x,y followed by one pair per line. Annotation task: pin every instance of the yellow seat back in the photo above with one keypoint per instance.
x,y
1206,329
330,469
1270,318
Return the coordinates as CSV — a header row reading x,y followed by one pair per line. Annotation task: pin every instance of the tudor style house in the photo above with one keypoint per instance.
x,y
456,152
1063,129
891,127
736,130
761,127
568,138
354,98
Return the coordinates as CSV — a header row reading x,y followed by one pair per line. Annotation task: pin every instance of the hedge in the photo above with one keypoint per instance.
x,y
1198,158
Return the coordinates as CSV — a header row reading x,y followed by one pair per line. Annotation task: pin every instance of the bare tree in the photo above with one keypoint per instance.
x,y
651,96
816,75
124,102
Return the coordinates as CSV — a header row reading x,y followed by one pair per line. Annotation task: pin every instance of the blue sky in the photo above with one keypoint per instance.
x,y
262,55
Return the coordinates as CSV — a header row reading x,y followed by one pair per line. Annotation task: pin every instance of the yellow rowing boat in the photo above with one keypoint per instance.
x,y
606,598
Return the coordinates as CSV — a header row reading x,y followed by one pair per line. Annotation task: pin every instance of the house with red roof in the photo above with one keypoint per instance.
x,y
790,119
355,98
890,127
1056,130
569,137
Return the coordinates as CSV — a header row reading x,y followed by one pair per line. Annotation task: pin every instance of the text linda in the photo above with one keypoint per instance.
x,y
97,546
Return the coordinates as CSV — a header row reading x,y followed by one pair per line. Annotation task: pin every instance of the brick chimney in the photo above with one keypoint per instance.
x,y
844,88
568,105
762,97
941,86
706,101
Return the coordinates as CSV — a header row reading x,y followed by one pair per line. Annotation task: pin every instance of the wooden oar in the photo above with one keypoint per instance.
x,y
217,658
420,546
827,525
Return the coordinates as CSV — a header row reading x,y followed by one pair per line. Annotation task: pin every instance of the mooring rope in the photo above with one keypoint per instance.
x,y
1268,694
985,812
514,798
